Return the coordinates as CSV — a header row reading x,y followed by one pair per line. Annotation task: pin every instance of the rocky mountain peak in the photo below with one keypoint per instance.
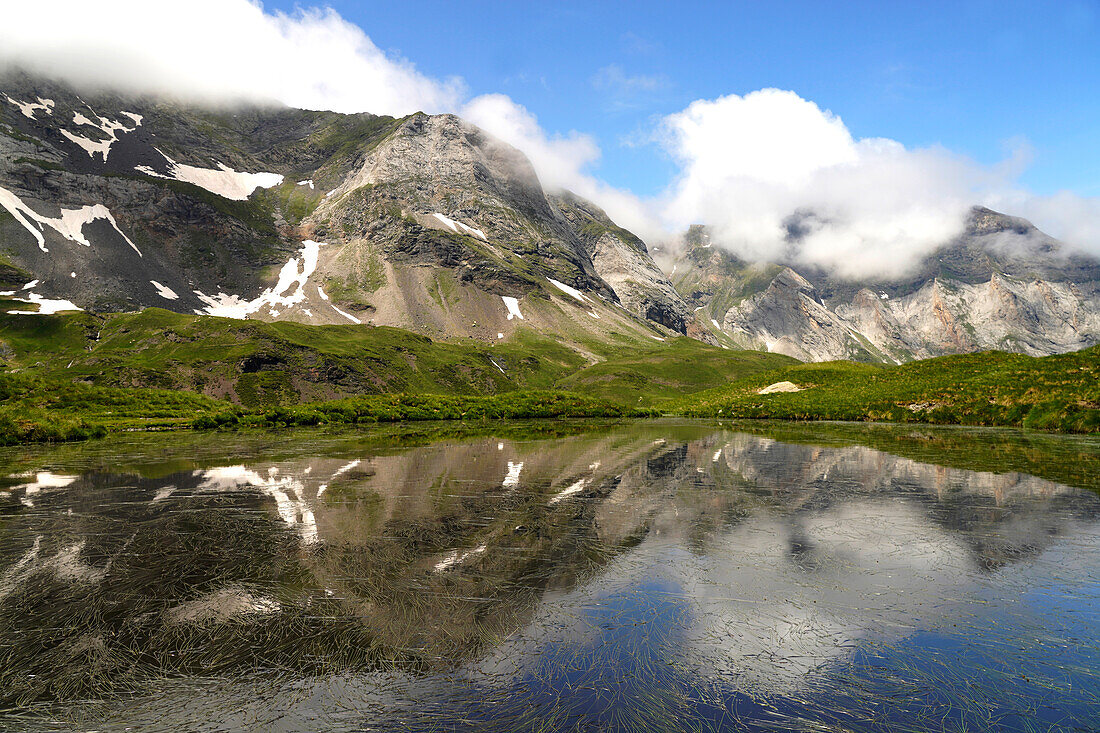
x,y
982,221
426,222
788,279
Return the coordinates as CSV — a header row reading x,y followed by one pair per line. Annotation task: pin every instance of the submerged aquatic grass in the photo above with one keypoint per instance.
x,y
404,577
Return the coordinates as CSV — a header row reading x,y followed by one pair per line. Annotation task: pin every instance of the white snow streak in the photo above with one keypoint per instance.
x,y
512,304
163,291
44,480
512,478
348,316
45,306
111,128
286,491
287,292
342,470
454,557
459,228
28,108
573,489
570,291
70,225
223,181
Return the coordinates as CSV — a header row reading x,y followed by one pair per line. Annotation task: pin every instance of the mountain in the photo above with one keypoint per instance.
x,y
1001,284
111,203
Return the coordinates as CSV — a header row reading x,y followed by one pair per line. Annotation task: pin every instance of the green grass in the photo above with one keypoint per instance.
x,y
33,409
413,407
75,376
1060,392
659,374
41,410
261,364
1074,461
268,364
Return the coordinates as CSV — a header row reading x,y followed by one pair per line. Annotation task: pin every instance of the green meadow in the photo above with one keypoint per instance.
x,y
77,376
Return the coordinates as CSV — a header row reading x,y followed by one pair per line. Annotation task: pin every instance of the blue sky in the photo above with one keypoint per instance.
x,y
979,78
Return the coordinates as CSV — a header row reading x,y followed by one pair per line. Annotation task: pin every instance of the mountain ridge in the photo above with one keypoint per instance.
x,y
1002,284
423,222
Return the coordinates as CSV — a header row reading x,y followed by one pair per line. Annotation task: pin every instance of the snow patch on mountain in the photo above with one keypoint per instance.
x,y
70,225
46,306
512,304
223,181
287,292
163,291
571,291
348,316
29,108
108,127
459,228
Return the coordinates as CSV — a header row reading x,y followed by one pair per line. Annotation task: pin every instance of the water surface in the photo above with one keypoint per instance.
x,y
553,576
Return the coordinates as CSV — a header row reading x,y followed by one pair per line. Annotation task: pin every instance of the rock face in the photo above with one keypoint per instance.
x,y
624,263
1001,285
110,203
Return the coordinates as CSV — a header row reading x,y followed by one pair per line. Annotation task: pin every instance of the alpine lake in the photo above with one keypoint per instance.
x,y
553,576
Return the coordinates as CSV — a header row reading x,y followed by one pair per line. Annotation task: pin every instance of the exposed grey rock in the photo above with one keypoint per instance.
x,y
787,319
623,262
423,222
1001,285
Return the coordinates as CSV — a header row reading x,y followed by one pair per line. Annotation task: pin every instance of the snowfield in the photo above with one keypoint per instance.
x,y
45,306
223,181
459,228
108,127
287,292
164,291
512,304
70,225
29,108
571,291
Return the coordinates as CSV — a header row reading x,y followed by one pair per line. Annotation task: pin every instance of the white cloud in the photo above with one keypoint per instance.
x,y
561,161
747,163
219,50
224,50
751,165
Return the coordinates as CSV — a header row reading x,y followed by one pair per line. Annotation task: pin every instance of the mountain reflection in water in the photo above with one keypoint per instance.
x,y
645,576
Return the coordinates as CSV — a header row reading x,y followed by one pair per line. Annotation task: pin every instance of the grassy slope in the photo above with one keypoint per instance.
x,y
1060,392
262,364
72,375
69,376
655,375
266,364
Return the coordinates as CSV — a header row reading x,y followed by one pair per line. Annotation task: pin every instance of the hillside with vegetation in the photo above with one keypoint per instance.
x,y
1059,392
77,375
